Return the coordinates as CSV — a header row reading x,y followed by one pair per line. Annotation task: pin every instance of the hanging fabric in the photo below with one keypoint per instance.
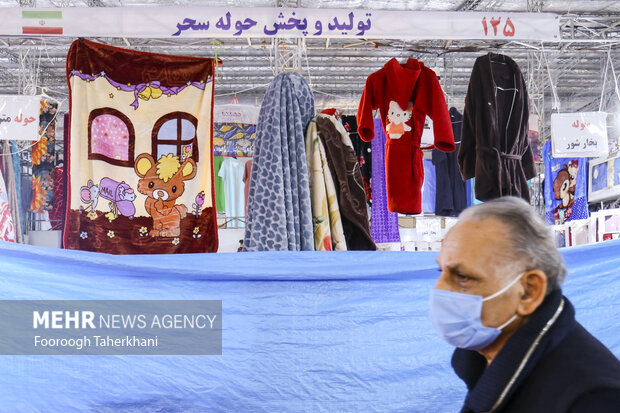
x,y
7,229
451,194
140,156
565,187
247,179
220,196
43,160
8,201
363,150
429,188
17,208
326,218
14,188
383,223
405,95
279,210
494,143
57,214
231,172
234,129
346,173
57,211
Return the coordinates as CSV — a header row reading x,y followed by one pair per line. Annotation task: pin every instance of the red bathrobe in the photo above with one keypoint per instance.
x,y
405,95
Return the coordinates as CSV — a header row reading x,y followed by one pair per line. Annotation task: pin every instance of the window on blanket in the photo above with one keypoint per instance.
x,y
175,133
111,137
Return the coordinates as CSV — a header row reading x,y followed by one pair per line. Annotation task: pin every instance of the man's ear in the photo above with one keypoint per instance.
x,y
534,284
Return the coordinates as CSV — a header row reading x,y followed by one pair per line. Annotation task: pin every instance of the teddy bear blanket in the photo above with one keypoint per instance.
x,y
140,152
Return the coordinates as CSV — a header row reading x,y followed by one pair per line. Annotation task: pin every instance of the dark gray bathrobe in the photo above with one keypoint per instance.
x,y
495,148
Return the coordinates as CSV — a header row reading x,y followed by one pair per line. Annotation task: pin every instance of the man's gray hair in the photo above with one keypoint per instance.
x,y
532,240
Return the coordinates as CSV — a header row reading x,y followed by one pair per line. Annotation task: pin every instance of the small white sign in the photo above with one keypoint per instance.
x,y
428,136
235,113
579,134
19,117
428,229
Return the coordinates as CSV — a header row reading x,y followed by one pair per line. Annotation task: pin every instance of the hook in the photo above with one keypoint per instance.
x,y
44,94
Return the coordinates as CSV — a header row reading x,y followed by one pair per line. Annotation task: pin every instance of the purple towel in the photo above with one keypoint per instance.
x,y
383,223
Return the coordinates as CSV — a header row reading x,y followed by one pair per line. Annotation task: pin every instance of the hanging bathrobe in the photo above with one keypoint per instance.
x,y
279,213
405,95
494,143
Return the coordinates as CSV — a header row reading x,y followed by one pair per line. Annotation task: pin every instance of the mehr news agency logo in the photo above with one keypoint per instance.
x,y
87,320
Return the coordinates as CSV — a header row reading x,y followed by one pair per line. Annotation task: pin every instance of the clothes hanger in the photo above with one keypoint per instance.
x,y
44,94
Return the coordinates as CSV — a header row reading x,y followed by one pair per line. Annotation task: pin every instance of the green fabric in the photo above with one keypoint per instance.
x,y
220,203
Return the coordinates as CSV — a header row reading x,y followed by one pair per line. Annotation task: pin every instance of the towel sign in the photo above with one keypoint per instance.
x,y
579,134
277,22
19,117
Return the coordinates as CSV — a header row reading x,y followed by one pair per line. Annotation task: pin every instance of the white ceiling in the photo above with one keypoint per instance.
x,y
337,70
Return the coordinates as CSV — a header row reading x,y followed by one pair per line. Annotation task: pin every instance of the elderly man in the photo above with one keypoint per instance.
x,y
498,300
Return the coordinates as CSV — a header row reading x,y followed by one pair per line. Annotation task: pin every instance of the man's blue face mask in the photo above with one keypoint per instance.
x,y
456,316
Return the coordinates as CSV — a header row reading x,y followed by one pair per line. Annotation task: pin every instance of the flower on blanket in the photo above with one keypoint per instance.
x,y
38,194
38,150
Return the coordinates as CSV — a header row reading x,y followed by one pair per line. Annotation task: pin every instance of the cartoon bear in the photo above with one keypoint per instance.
x,y
561,190
397,117
573,168
163,182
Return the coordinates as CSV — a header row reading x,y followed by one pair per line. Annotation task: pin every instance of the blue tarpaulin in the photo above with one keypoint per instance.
x,y
302,331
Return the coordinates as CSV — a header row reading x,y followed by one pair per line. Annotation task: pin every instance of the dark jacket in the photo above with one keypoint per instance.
x,y
363,152
451,194
567,371
495,147
347,177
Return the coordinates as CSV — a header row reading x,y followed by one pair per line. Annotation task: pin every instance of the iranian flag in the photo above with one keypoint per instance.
x,y
41,21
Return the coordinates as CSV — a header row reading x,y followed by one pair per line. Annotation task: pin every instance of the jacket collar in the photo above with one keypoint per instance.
x,y
486,384
520,97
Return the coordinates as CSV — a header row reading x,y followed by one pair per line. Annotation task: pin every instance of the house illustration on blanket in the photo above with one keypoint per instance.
x,y
140,154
